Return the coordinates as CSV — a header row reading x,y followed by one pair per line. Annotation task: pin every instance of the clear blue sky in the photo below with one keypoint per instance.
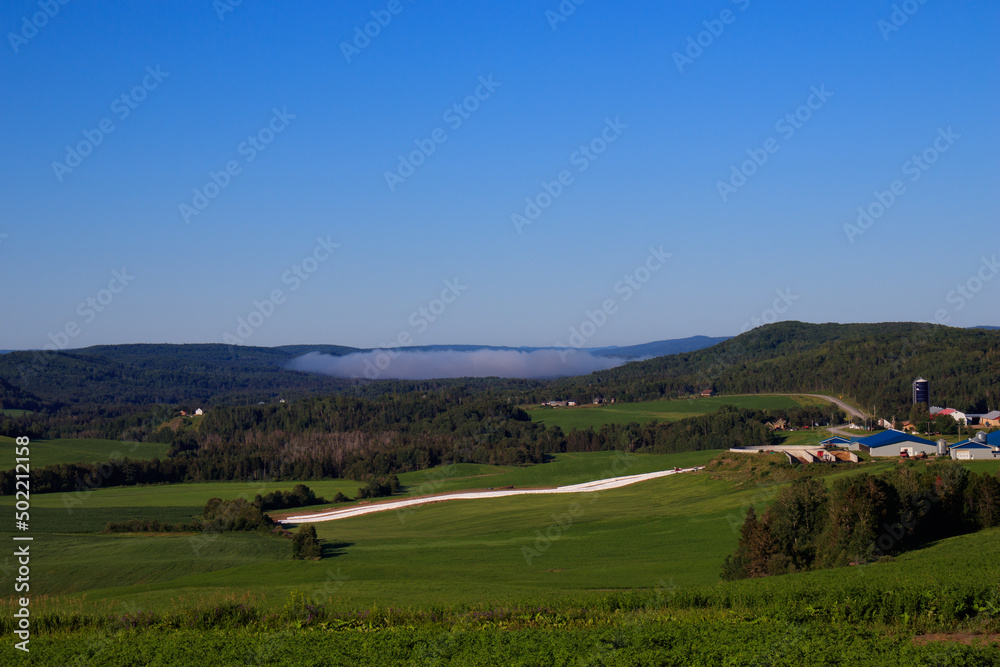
x,y
676,130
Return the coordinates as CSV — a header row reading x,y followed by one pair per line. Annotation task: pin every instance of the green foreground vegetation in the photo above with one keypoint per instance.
x,y
626,576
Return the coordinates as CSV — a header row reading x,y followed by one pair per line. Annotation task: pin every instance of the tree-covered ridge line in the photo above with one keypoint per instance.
x,y
874,364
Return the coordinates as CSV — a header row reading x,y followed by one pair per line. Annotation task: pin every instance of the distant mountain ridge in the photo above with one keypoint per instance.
x,y
147,373
872,364
643,351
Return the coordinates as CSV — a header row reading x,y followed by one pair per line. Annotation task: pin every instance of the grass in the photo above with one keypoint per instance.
x,y
803,438
563,469
66,564
647,638
12,412
83,450
674,530
991,467
595,416
453,552
626,576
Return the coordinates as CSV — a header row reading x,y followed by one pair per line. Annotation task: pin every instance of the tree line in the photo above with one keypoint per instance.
x,y
863,518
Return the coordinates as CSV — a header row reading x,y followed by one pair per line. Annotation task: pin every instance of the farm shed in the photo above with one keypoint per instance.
x,y
983,446
894,443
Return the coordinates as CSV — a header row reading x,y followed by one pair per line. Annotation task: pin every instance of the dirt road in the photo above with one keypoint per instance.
x,y
585,487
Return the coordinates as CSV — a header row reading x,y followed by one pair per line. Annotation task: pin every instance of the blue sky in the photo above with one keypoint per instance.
x,y
662,132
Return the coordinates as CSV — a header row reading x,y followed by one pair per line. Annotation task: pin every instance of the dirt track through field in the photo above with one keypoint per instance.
x,y
585,487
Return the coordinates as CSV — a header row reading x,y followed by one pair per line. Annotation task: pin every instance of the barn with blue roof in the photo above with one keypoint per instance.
x,y
835,441
894,443
985,446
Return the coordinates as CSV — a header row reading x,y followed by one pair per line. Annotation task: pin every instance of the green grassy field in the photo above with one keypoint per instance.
x,y
594,416
628,575
9,412
84,450
676,528
563,469
451,552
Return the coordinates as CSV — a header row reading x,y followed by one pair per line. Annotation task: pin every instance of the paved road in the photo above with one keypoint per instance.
x,y
585,487
854,412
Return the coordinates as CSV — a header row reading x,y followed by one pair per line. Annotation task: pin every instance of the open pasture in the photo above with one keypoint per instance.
x,y
595,416
82,450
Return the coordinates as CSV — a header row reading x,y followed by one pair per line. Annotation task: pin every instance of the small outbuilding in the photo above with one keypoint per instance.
x,y
835,441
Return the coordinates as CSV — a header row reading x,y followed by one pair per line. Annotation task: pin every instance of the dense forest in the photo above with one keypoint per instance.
x,y
170,374
873,364
863,518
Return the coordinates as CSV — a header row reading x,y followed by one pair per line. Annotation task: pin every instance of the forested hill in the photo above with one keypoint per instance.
x,y
874,364
146,374
213,374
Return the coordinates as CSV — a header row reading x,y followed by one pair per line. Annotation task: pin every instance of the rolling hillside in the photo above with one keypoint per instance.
x,y
874,364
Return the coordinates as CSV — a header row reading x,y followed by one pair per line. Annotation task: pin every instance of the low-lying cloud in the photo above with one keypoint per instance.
x,y
426,365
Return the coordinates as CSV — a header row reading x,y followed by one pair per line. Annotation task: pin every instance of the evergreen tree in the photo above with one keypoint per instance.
x,y
306,544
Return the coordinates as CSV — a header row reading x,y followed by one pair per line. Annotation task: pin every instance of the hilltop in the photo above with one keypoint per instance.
x,y
873,364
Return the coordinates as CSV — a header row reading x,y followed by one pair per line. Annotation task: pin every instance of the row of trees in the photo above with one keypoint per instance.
x,y
863,518
300,496
378,488
218,516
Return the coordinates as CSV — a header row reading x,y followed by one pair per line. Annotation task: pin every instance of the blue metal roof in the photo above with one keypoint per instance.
x,y
891,437
835,440
970,444
992,439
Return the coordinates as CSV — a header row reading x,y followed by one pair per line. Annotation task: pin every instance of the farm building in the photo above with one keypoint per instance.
x,y
779,425
970,450
957,415
708,392
987,419
983,446
894,443
835,441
